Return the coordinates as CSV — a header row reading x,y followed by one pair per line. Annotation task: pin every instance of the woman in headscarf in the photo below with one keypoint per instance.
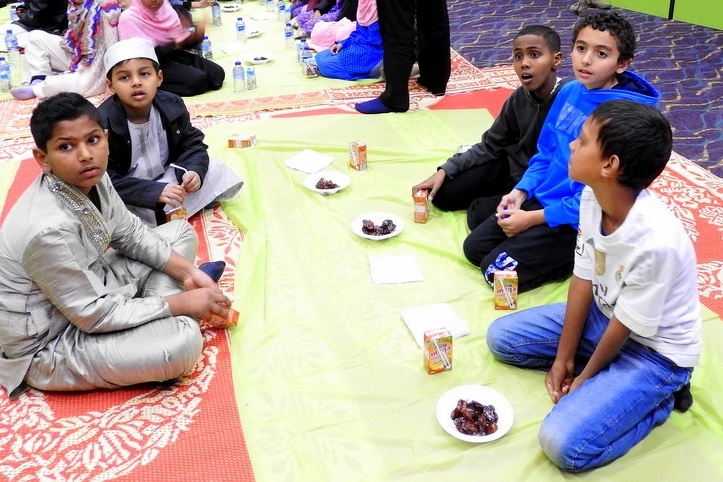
x,y
184,73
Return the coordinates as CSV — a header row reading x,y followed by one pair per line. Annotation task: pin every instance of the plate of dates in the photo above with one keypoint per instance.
x,y
377,225
474,413
327,182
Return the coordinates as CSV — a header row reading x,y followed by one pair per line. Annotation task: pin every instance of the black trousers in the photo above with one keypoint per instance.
x,y
543,253
399,36
187,74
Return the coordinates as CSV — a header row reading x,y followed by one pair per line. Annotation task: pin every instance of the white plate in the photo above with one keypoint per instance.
x,y
230,8
338,178
377,218
254,32
484,395
252,59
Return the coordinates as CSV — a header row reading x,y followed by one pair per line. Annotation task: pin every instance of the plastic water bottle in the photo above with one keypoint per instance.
x,y
305,51
270,5
250,78
287,13
4,75
280,9
303,47
239,78
14,13
240,30
216,13
289,36
13,57
206,48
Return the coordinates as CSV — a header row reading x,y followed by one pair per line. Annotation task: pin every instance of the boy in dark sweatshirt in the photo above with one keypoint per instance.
x,y
477,178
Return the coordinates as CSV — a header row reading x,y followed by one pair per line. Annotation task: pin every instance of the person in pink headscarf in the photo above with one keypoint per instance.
x,y
356,56
184,73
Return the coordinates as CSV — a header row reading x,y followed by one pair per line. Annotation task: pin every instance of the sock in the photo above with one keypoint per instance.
x,y
683,399
213,269
375,106
23,93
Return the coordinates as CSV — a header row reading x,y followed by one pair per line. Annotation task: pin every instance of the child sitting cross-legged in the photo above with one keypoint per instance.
x,y
90,297
621,351
158,160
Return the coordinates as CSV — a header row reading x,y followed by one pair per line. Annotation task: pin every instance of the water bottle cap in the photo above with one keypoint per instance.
x,y
8,31
288,24
205,37
240,18
238,63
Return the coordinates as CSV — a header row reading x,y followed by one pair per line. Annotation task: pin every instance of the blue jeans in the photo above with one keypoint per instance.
x,y
609,413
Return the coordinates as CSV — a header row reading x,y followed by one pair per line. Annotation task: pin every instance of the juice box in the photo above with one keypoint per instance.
x,y
220,323
505,288
437,350
421,206
177,213
242,140
358,155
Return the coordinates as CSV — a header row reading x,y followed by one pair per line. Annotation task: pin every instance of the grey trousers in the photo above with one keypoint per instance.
x,y
156,351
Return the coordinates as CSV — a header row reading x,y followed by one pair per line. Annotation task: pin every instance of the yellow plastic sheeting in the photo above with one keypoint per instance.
x,y
330,382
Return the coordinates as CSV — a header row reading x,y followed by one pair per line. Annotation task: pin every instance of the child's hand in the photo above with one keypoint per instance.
x,y
558,381
431,184
511,200
199,303
173,195
191,182
514,221
335,48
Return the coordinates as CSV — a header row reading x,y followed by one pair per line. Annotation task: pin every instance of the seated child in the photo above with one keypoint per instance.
x,y
89,296
621,351
535,226
74,62
158,160
185,73
358,55
476,178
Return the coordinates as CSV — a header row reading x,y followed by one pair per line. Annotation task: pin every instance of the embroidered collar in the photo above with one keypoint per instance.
x,y
89,215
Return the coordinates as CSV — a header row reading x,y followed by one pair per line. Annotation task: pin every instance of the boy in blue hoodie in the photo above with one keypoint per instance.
x,y
535,227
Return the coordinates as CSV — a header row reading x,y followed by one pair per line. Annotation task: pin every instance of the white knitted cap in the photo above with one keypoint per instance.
x,y
132,48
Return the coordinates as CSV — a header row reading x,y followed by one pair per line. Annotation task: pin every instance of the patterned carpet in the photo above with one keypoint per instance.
x,y
683,61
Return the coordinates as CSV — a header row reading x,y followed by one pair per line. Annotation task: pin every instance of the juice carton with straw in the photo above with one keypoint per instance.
x,y
437,350
505,289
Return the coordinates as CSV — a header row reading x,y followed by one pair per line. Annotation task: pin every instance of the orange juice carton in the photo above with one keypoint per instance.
x,y
421,206
505,289
358,155
242,140
437,350
177,213
220,323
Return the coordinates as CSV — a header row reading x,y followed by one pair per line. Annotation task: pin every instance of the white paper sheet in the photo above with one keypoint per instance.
x,y
432,317
395,269
308,161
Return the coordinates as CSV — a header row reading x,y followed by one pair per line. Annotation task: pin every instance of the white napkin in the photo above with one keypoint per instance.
x,y
395,269
308,161
433,317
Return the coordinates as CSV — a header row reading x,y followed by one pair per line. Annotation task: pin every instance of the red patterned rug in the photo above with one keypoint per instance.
x,y
143,433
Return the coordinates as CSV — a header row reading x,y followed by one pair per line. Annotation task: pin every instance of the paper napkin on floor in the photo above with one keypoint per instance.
x,y
395,269
308,161
433,317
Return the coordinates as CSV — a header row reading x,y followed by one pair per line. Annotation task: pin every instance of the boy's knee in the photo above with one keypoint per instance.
x,y
182,236
562,447
471,251
184,350
498,340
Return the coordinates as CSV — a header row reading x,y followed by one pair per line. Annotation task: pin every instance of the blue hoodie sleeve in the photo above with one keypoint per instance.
x,y
546,147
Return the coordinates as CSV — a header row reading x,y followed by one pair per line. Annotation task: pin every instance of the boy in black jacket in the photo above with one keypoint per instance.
x,y
158,160
477,178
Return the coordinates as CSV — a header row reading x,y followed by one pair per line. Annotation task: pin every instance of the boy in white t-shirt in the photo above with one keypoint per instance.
x,y
621,351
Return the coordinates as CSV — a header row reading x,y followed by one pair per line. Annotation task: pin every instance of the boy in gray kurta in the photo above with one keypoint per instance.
x,y
89,296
